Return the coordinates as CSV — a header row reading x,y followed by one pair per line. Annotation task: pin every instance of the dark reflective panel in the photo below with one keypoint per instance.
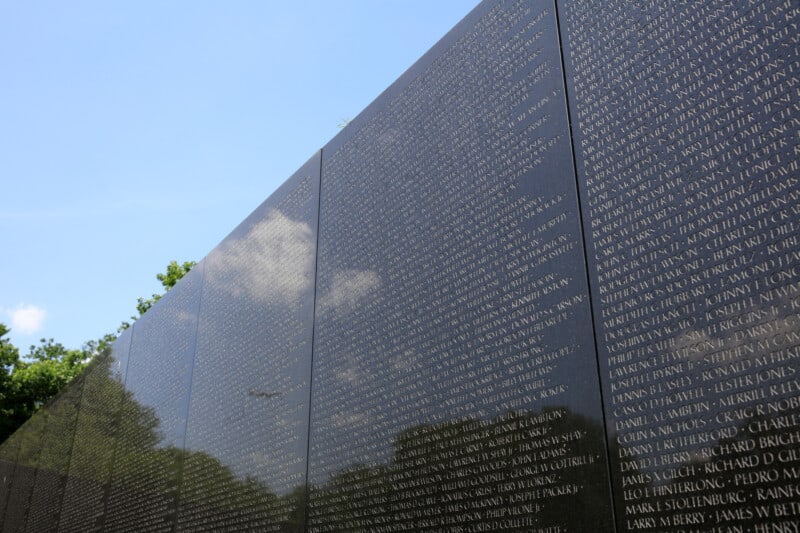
x,y
8,460
54,459
119,356
455,380
686,135
247,437
95,440
30,446
147,461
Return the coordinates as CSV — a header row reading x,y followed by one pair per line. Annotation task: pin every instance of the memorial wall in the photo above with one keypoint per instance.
x,y
548,281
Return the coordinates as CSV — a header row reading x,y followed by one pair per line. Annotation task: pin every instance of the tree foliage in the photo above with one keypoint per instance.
x,y
9,356
168,280
28,382
118,440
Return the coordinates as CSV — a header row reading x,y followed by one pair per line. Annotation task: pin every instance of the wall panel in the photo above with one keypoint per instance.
x,y
95,440
31,436
54,459
146,471
245,460
686,133
453,337
548,281
8,460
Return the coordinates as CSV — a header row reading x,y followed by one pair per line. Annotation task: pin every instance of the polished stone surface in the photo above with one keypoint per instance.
x,y
56,455
450,385
95,440
31,436
149,455
548,281
686,140
8,460
247,436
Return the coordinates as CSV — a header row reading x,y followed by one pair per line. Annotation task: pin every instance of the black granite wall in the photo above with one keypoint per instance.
x,y
548,281
687,144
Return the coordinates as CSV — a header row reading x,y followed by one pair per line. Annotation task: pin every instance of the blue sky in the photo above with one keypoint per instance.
x,y
135,133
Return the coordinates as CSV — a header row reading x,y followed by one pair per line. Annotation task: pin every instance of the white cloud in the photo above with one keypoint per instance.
x,y
26,319
348,288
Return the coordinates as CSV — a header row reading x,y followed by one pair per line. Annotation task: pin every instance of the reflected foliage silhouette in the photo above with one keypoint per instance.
x,y
514,472
138,461
518,471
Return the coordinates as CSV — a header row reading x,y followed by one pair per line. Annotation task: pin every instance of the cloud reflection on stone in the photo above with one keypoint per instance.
x,y
347,289
272,263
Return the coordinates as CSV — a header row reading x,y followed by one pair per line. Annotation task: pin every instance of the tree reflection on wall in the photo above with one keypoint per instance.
x,y
517,471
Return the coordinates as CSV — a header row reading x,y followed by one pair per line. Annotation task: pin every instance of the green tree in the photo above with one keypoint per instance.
x,y
28,382
9,356
168,280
